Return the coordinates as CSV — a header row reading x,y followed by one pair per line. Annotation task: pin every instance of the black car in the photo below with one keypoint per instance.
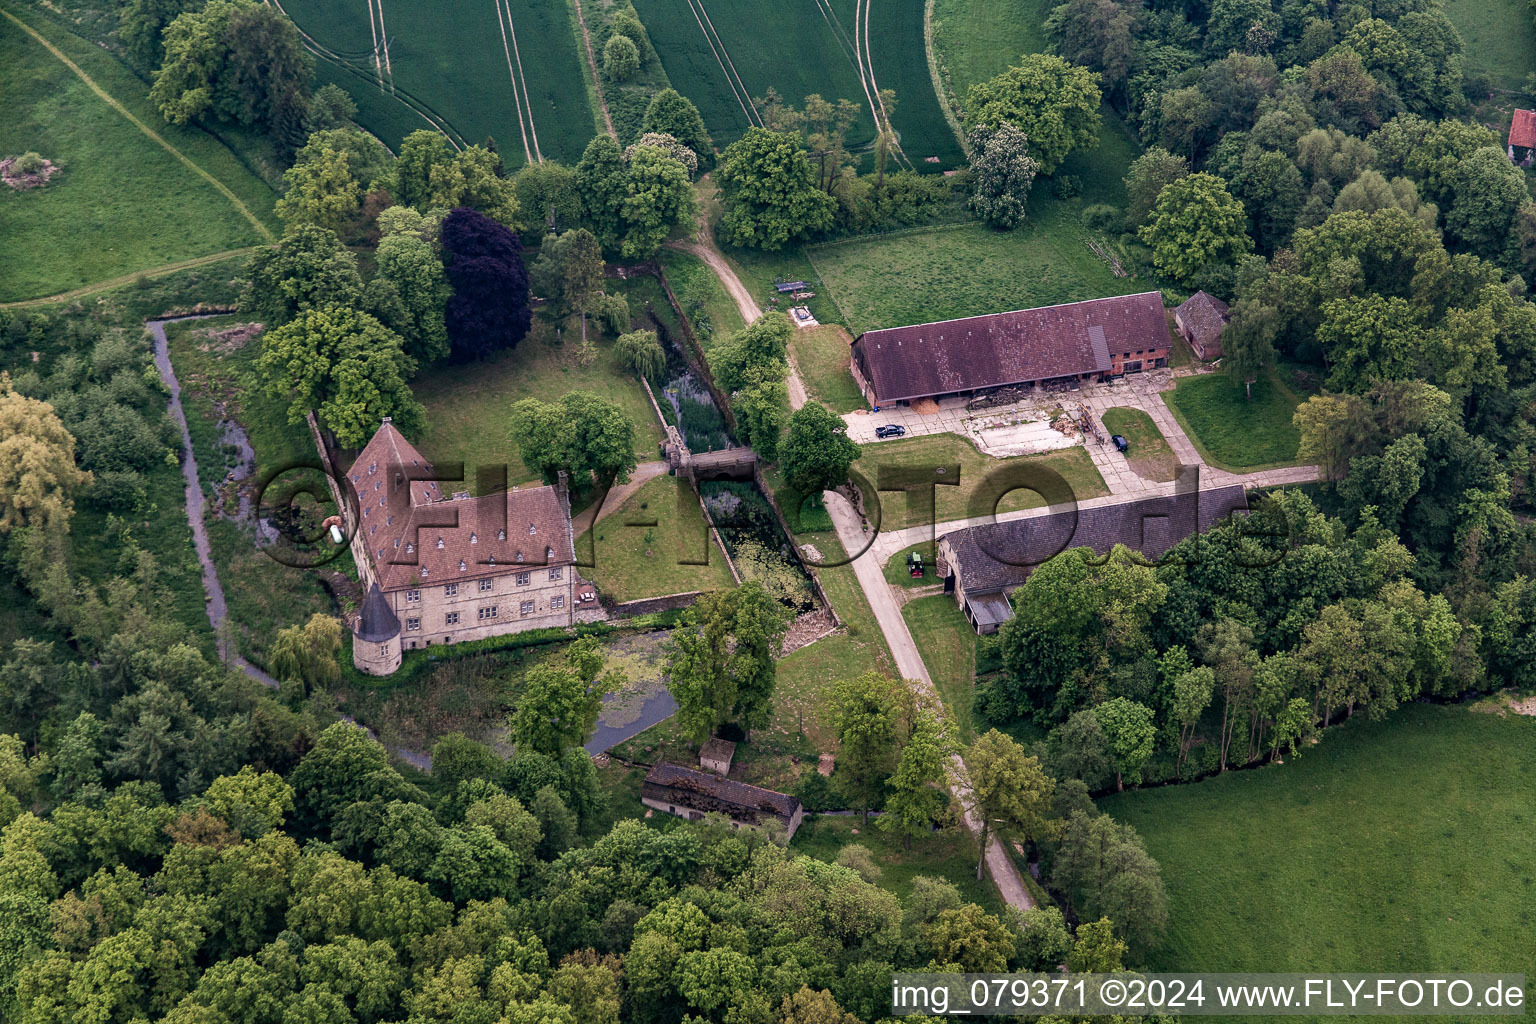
x,y
891,430
1121,444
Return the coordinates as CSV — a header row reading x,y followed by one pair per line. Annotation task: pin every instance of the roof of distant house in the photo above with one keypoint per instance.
x,y
683,780
1522,129
1204,315
416,537
999,556
1009,348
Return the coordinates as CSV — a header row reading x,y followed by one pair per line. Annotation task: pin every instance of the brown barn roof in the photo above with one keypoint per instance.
x,y
1000,556
1205,316
683,782
1522,129
438,540
1009,348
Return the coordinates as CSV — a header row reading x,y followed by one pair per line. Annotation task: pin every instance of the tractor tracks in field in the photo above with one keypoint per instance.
x,y
727,66
597,82
371,77
523,102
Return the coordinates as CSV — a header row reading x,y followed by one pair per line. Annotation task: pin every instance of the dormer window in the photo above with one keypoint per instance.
x,y
532,529
473,539
519,556
423,571
373,468
389,521
410,549
439,543
549,554
461,565
501,534
493,559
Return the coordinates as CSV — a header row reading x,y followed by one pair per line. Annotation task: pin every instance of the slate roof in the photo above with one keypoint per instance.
x,y
683,781
1009,348
1000,556
1522,129
377,621
1204,316
437,539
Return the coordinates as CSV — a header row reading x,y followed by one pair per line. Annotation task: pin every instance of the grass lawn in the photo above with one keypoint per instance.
x,y
951,503
949,854
952,272
759,271
647,561
948,646
469,406
122,202
1148,451
1233,432
1500,37
898,575
1404,845
821,354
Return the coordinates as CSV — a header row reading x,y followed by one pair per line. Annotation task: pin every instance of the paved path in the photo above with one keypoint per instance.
x,y
213,590
909,662
617,495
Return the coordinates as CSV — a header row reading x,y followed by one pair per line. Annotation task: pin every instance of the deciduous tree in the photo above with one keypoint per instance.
x,y
816,454
769,192
585,435
38,476
1003,172
489,309
1012,794
1054,103
1196,223
720,663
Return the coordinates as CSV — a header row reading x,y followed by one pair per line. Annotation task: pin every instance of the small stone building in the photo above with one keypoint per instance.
x,y
691,793
1202,319
715,756
1522,137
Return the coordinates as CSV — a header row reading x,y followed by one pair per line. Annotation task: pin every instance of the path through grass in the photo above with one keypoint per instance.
x,y
134,194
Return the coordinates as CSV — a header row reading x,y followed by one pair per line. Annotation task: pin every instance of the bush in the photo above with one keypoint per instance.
x,y
28,163
1066,186
621,57
815,792
1102,217
117,490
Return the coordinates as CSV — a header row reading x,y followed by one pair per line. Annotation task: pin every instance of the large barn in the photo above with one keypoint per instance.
x,y
1078,341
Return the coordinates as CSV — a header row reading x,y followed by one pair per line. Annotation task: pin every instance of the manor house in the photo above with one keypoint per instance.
x,y
442,568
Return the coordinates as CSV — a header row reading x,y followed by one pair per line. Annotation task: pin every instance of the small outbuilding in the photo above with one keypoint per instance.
x,y
1522,137
691,793
1201,319
715,756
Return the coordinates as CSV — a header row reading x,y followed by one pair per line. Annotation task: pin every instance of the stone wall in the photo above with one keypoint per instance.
x,y
647,605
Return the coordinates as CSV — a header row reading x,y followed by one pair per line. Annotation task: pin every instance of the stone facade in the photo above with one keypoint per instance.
x,y
450,568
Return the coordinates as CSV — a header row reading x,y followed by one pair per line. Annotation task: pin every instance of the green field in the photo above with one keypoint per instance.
x,y
1402,845
123,202
469,407
1233,432
1500,37
948,273
724,55
948,644
976,39
952,503
508,69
